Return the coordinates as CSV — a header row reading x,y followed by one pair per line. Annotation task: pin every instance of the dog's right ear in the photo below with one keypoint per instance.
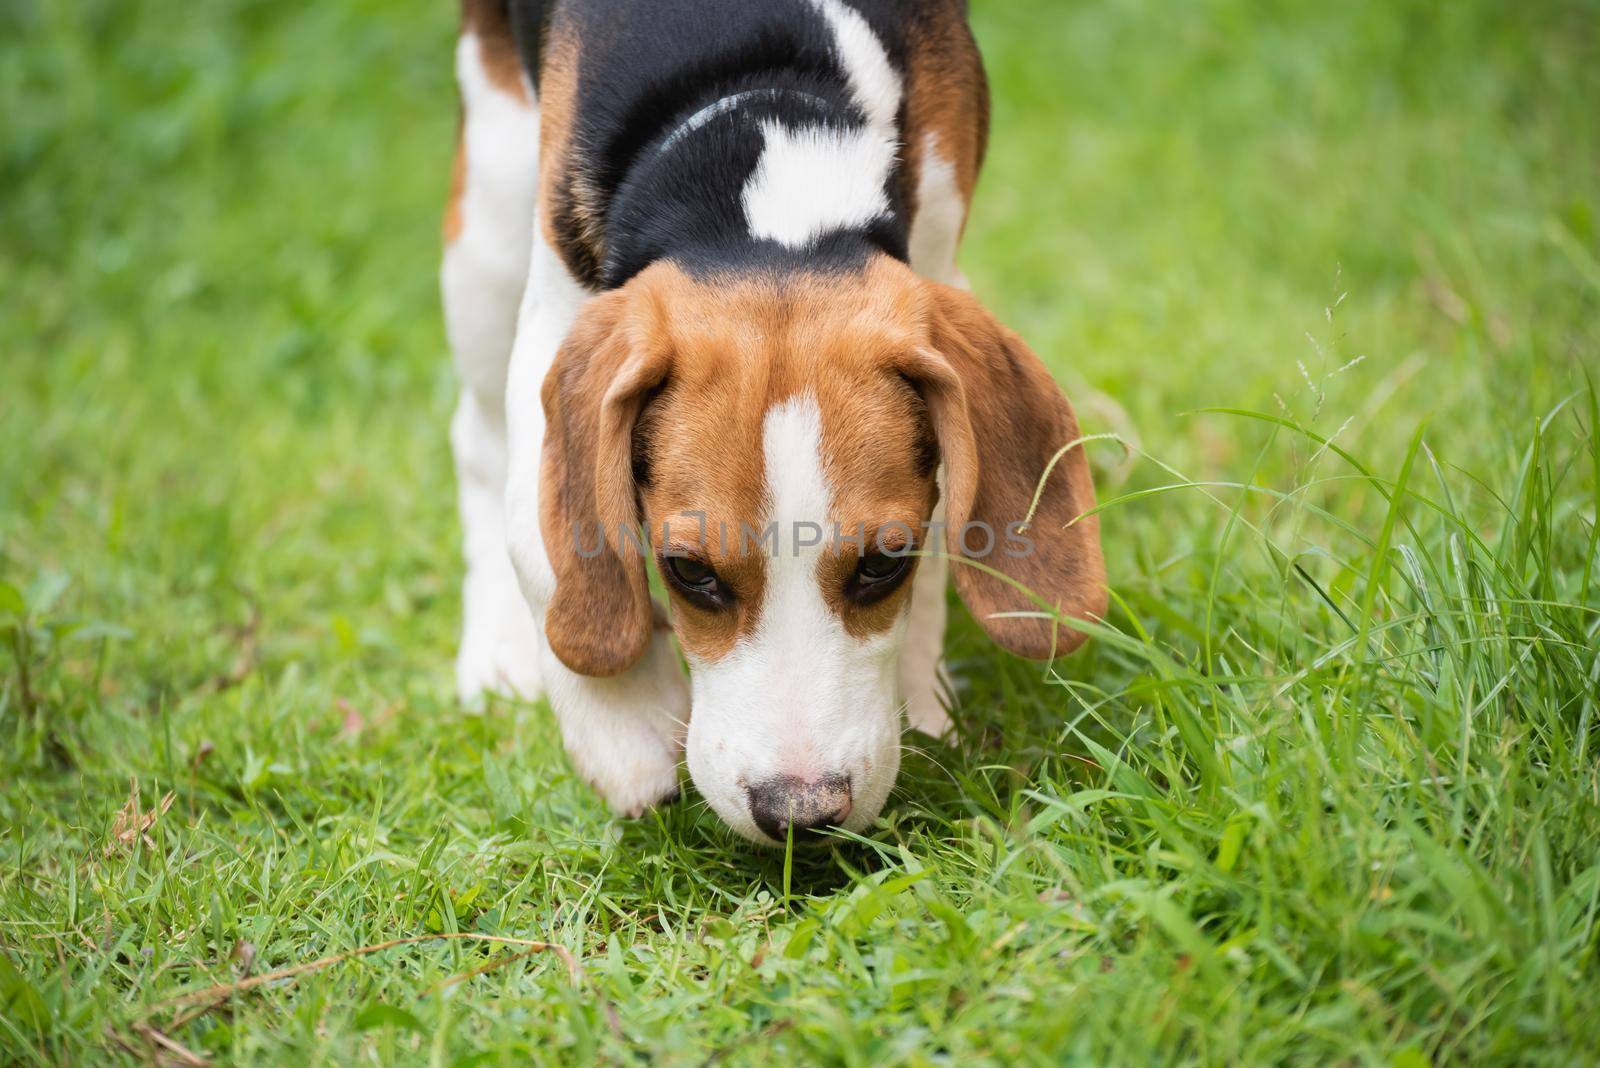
x,y
1004,427
600,619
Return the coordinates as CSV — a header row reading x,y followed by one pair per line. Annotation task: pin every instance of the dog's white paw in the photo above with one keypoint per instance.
x,y
624,735
636,778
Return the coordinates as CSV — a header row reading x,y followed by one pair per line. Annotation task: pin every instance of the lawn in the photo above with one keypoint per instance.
x,y
1323,790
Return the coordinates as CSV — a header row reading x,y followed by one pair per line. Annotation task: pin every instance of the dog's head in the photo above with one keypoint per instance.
x,y
780,440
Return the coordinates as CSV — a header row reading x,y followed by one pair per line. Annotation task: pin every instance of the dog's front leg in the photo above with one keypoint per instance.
x,y
924,682
624,734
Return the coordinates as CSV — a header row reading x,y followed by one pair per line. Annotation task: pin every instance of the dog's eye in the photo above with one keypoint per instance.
x,y
881,567
696,580
877,576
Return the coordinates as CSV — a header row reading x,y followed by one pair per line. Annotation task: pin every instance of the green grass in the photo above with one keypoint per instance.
x,y
1325,789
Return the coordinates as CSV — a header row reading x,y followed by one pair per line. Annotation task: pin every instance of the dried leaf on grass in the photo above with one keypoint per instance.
x,y
131,823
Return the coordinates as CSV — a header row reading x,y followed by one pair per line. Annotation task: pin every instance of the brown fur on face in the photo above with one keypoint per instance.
x,y
657,406
740,348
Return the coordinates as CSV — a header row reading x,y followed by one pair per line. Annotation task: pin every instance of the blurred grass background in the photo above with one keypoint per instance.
x,y
228,551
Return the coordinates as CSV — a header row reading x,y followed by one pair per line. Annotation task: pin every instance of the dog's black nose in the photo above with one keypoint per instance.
x,y
788,800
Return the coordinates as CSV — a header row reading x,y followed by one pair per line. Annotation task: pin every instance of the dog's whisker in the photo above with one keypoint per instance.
x,y
917,750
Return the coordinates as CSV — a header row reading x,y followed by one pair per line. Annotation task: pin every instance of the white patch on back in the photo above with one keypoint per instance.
x,y
815,180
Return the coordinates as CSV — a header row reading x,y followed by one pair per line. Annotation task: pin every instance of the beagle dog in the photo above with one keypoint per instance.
x,y
700,285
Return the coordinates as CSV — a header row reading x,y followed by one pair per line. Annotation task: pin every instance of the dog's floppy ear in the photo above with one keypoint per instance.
x,y
1000,419
600,619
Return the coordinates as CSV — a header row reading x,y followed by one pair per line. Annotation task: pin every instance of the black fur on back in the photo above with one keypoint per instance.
x,y
647,66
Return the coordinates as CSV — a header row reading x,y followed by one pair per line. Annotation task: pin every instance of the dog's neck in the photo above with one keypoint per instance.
x,y
783,171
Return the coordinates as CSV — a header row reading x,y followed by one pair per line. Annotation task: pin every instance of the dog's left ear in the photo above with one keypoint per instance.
x,y
600,619
1000,419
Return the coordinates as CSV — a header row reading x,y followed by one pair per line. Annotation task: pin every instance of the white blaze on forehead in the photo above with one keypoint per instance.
x,y
780,701
816,180
797,491
795,623
797,696
811,667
